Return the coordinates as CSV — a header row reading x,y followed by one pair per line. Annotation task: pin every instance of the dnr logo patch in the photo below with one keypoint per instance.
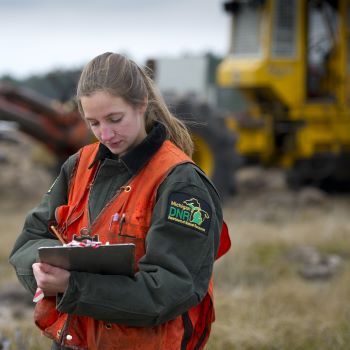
x,y
188,211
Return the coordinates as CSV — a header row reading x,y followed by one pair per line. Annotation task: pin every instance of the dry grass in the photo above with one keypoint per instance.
x,y
261,300
16,325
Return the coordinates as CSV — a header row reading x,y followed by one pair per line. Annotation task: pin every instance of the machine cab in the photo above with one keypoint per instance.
x,y
277,45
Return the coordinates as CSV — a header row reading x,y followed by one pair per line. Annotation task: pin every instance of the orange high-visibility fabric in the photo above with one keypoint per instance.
x,y
134,203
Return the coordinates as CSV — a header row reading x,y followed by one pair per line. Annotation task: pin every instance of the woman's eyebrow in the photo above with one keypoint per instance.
x,y
106,116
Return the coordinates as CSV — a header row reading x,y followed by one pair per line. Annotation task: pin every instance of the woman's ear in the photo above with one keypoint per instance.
x,y
144,106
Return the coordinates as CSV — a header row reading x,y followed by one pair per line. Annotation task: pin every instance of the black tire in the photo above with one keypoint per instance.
x,y
326,171
209,131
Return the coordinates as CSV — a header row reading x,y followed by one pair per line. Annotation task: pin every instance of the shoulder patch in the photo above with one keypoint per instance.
x,y
189,211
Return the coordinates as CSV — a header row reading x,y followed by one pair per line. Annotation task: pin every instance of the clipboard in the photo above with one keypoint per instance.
x,y
112,259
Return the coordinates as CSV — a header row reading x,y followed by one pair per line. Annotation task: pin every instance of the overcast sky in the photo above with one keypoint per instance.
x,y
39,35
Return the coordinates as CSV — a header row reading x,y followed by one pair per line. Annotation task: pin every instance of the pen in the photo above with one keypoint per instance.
x,y
114,218
53,228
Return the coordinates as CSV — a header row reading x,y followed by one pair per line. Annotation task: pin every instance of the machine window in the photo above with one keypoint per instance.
x,y
284,29
247,31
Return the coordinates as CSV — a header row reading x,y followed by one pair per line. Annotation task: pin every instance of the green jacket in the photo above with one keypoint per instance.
x,y
181,264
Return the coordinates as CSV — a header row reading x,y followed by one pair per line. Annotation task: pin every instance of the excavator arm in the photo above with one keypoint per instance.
x,y
63,133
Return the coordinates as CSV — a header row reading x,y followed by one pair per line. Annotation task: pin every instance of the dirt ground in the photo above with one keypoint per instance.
x,y
285,284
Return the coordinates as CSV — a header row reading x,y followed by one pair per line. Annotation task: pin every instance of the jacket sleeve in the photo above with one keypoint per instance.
x,y
175,272
35,231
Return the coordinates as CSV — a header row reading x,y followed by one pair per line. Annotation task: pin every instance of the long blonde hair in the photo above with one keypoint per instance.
x,y
122,77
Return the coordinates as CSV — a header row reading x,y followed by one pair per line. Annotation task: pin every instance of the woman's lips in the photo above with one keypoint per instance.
x,y
115,144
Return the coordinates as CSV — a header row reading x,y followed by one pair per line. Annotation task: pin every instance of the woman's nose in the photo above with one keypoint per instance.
x,y
106,134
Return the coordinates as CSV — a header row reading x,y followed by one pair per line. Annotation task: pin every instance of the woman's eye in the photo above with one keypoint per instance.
x,y
116,119
93,124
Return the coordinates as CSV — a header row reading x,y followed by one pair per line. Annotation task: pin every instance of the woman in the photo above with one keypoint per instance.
x,y
137,185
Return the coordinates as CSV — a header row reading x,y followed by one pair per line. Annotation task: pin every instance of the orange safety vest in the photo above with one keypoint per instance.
x,y
135,202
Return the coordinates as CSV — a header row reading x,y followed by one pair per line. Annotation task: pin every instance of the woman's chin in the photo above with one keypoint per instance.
x,y
117,148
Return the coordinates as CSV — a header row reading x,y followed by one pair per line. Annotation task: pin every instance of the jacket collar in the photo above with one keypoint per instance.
x,y
137,157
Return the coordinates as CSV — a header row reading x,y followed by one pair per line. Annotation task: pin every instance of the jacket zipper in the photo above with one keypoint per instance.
x,y
65,327
88,197
88,212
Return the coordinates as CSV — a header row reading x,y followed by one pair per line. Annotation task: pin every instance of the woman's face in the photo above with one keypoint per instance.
x,y
114,122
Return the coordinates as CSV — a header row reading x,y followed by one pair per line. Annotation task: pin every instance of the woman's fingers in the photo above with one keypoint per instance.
x,y
50,278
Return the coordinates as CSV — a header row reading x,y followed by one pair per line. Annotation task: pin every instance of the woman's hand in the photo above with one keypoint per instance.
x,y
50,279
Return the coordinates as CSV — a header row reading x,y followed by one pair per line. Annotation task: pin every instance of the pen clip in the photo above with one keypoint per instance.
x,y
121,222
